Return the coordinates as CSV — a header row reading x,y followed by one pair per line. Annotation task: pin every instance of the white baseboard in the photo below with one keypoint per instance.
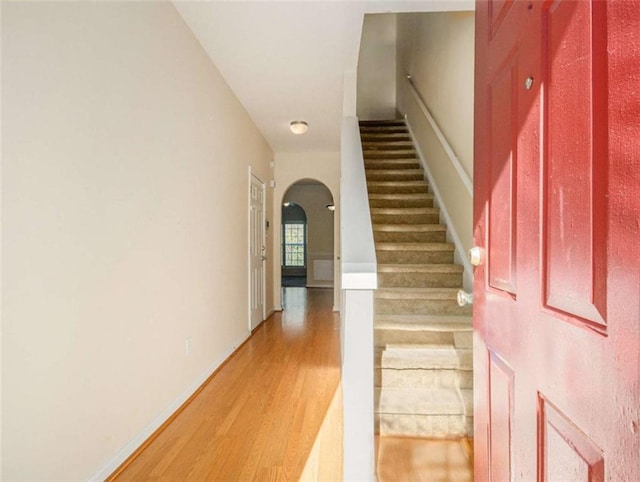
x,y
125,452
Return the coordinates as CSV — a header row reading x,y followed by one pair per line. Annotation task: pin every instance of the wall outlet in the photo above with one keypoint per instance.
x,y
187,346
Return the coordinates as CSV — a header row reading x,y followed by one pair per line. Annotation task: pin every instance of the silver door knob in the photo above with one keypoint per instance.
x,y
476,256
464,298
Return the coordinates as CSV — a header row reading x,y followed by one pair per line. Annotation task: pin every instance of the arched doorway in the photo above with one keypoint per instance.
x,y
307,236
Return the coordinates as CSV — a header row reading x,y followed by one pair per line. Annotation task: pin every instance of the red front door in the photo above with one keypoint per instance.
x,y
557,212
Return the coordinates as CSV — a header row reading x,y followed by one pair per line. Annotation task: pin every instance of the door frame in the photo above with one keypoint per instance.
x,y
251,176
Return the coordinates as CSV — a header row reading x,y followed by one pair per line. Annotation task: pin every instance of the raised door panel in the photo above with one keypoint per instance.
x,y
565,451
575,162
501,379
502,208
256,252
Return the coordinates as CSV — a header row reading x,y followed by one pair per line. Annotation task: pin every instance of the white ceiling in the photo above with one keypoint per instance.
x,y
285,60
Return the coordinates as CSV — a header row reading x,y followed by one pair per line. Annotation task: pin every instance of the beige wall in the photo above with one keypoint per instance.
x,y
295,166
437,50
125,224
313,198
376,97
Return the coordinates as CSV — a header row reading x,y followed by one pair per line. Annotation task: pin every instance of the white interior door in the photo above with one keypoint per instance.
x,y
257,251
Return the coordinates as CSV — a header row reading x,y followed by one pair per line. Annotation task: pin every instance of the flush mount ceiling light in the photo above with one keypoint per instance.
x,y
298,127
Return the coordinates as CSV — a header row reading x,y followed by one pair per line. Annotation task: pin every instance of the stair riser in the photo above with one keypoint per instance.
x,y
386,164
389,154
391,175
421,218
432,426
463,339
414,257
384,124
387,377
385,337
401,203
388,137
395,401
368,134
398,189
419,307
394,145
409,237
420,280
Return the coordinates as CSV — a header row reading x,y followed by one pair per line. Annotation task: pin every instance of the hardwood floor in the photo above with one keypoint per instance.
x,y
273,412
260,416
427,460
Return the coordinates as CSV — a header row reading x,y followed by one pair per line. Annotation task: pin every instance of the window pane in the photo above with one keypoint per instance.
x,y
294,244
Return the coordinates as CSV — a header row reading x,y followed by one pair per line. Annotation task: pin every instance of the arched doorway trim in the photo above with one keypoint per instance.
x,y
313,196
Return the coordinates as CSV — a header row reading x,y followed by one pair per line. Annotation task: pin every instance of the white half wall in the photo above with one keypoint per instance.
x,y
124,189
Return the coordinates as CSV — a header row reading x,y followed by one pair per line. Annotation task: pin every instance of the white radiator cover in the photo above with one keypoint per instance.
x,y
323,269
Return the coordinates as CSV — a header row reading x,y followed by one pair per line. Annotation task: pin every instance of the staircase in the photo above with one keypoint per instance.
x,y
423,339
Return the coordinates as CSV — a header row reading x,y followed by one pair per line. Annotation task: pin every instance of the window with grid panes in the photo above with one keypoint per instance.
x,y
294,235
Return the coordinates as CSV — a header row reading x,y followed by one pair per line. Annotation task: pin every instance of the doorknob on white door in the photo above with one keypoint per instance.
x,y
476,256
464,298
